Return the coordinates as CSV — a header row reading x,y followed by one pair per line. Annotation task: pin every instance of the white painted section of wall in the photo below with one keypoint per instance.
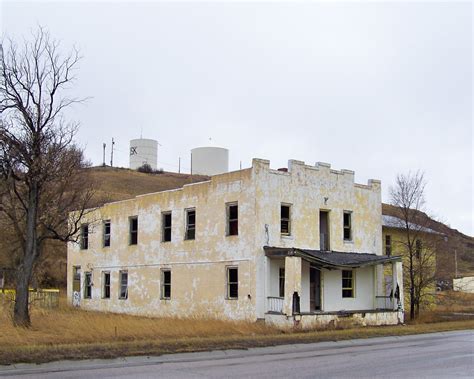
x,y
333,300
142,151
209,160
465,284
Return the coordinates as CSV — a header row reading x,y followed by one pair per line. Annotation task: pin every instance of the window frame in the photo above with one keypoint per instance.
x,y
188,226
347,227
351,288
388,245
106,286
418,248
164,227
288,219
164,284
132,232
84,237
229,229
229,283
106,237
281,282
121,273
87,285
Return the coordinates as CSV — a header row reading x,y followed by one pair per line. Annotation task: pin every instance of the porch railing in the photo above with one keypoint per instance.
x,y
383,302
275,304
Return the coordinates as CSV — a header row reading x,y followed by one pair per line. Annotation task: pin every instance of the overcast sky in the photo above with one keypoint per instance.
x,y
379,88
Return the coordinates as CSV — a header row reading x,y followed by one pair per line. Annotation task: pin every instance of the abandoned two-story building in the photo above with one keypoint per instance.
x,y
298,245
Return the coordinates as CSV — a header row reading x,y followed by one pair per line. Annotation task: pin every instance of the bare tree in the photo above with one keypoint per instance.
x,y
42,171
419,242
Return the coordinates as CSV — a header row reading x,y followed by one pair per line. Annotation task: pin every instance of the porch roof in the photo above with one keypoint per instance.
x,y
331,259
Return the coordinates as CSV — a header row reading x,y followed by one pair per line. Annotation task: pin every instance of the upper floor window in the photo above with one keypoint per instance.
x,y
388,245
87,285
232,219
348,283
190,224
106,233
166,284
123,282
133,228
166,226
84,241
418,248
347,226
232,282
285,223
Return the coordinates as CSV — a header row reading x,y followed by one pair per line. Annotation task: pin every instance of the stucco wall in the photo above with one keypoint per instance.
x,y
465,284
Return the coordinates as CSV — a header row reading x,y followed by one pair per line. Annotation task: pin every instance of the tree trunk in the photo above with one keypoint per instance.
x,y
21,315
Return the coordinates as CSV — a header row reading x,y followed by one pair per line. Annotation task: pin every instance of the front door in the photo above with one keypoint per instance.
x,y
314,289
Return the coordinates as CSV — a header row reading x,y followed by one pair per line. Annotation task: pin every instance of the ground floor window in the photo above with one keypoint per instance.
x,y
166,284
282,282
106,285
232,282
87,285
123,280
348,283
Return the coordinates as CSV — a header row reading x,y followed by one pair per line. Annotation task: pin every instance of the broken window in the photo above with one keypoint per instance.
x,y
232,219
106,285
282,282
285,228
133,227
347,226
106,233
87,285
166,284
166,226
347,283
232,282
388,245
123,280
84,237
418,248
190,224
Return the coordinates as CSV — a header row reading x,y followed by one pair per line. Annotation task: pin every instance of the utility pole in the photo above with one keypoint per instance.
x,y
455,263
103,159
179,165
112,153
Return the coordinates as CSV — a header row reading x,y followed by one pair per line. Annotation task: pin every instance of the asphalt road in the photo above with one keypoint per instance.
x,y
436,355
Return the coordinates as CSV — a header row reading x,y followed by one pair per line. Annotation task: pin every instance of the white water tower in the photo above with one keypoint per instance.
x,y
209,160
143,151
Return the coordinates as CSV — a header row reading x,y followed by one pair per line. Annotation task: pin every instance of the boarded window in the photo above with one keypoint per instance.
x,y
87,285
166,226
347,283
123,280
133,228
232,219
84,237
107,233
285,219
166,284
388,245
190,224
347,226
282,282
106,285
232,282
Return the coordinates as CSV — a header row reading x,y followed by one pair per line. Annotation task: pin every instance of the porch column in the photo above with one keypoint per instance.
x,y
397,279
292,282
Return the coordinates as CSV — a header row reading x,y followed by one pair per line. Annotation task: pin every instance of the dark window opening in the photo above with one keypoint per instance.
x,y
347,226
285,220
388,245
107,233
347,283
232,220
85,237
87,285
166,284
106,285
418,248
133,230
190,224
282,282
166,222
123,279
232,282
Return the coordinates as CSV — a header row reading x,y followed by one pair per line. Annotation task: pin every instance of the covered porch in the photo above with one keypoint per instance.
x,y
314,286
